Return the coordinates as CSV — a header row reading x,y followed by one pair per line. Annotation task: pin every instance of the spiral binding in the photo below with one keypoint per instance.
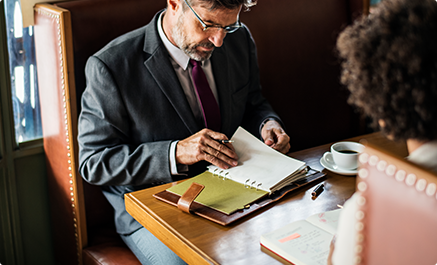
x,y
220,173
226,175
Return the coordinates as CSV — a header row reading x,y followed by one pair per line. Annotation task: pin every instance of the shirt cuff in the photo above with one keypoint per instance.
x,y
264,123
176,169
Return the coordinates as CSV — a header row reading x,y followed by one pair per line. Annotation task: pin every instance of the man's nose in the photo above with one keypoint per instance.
x,y
217,37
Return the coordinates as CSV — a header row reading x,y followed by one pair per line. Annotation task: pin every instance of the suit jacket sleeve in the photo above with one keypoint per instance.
x,y
107,154
240,85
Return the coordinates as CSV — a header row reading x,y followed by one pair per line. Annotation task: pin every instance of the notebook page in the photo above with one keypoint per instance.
x,y
299,242
327,220
258,165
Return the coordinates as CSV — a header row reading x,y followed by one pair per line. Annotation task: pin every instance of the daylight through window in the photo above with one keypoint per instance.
x,y
24,85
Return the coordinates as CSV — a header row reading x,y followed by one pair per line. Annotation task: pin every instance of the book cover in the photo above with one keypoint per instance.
x,y
224,195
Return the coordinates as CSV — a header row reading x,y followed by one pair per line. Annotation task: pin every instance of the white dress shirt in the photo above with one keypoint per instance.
x,y
180,62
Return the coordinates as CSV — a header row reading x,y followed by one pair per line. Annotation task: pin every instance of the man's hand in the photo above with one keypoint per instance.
x,y
204,146
275,137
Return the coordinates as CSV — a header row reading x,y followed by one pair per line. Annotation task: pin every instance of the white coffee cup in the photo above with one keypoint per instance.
x,y
345,154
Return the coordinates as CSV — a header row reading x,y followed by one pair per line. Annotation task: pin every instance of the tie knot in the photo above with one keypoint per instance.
x,y
195,63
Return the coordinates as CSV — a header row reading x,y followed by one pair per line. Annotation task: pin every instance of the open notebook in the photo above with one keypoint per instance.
x,y
260,166
263,175
261,170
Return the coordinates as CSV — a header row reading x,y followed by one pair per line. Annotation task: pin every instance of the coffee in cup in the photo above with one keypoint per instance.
x,y
345,154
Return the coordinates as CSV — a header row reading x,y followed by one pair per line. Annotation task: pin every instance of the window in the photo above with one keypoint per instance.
x,y
24,85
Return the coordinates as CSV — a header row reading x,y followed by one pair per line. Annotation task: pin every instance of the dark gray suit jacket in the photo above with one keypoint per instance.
x,y
134,107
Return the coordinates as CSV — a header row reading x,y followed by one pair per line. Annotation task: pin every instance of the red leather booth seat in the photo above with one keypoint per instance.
x,y
67,33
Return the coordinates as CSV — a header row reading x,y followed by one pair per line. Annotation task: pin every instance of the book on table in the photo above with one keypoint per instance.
x,y
260,173
304,242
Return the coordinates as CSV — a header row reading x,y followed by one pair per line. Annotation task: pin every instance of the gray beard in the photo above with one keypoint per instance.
x,y
181,41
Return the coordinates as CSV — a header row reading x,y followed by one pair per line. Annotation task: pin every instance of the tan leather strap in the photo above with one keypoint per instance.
x,y
189,196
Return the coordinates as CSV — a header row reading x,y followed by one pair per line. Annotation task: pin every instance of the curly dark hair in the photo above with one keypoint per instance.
x,y
390,67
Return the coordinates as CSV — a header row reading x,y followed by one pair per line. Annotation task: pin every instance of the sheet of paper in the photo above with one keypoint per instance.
x,y
299,242
259,163
327,220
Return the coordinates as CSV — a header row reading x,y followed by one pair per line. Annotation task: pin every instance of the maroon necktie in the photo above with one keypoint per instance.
x,y
208,103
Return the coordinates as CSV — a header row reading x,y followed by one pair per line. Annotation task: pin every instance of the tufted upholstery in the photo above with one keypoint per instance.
x,y
299,74
398,211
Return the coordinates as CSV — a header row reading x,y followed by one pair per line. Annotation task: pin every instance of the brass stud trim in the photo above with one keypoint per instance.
x,y
381,166
362,186
411,179
431,189
363,173
400,175
373,160
421,185
364,158
60,39
390,171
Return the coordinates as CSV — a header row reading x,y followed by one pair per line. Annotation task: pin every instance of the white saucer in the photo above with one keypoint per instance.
x,y
334,168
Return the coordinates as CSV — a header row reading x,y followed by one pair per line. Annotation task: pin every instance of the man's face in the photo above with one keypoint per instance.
x,y
188,33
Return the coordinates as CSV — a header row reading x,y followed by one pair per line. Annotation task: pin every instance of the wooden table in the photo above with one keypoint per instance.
x,y
199,241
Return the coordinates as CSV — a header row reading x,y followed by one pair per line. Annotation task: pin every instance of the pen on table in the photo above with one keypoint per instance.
x,y
316,192
225,141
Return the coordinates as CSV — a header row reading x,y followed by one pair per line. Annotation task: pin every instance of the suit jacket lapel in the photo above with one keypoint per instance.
x,y
160,67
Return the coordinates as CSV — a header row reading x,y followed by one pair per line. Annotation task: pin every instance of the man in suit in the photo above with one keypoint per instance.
x,y
143,122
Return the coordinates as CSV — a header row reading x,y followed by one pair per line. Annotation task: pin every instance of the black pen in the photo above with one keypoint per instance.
x,y
316,192
225,141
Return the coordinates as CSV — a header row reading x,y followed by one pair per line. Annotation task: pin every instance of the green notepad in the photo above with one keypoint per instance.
x,y
224,195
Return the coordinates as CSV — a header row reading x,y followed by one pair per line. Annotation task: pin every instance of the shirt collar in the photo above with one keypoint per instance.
x,y
177,54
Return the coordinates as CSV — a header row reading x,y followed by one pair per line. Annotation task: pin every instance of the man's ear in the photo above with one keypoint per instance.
x,y
173,5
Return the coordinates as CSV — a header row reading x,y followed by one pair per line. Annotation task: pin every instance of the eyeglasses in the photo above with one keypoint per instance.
x,y
227,29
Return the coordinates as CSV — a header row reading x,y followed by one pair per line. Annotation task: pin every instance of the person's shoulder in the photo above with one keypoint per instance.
x,y
123,43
